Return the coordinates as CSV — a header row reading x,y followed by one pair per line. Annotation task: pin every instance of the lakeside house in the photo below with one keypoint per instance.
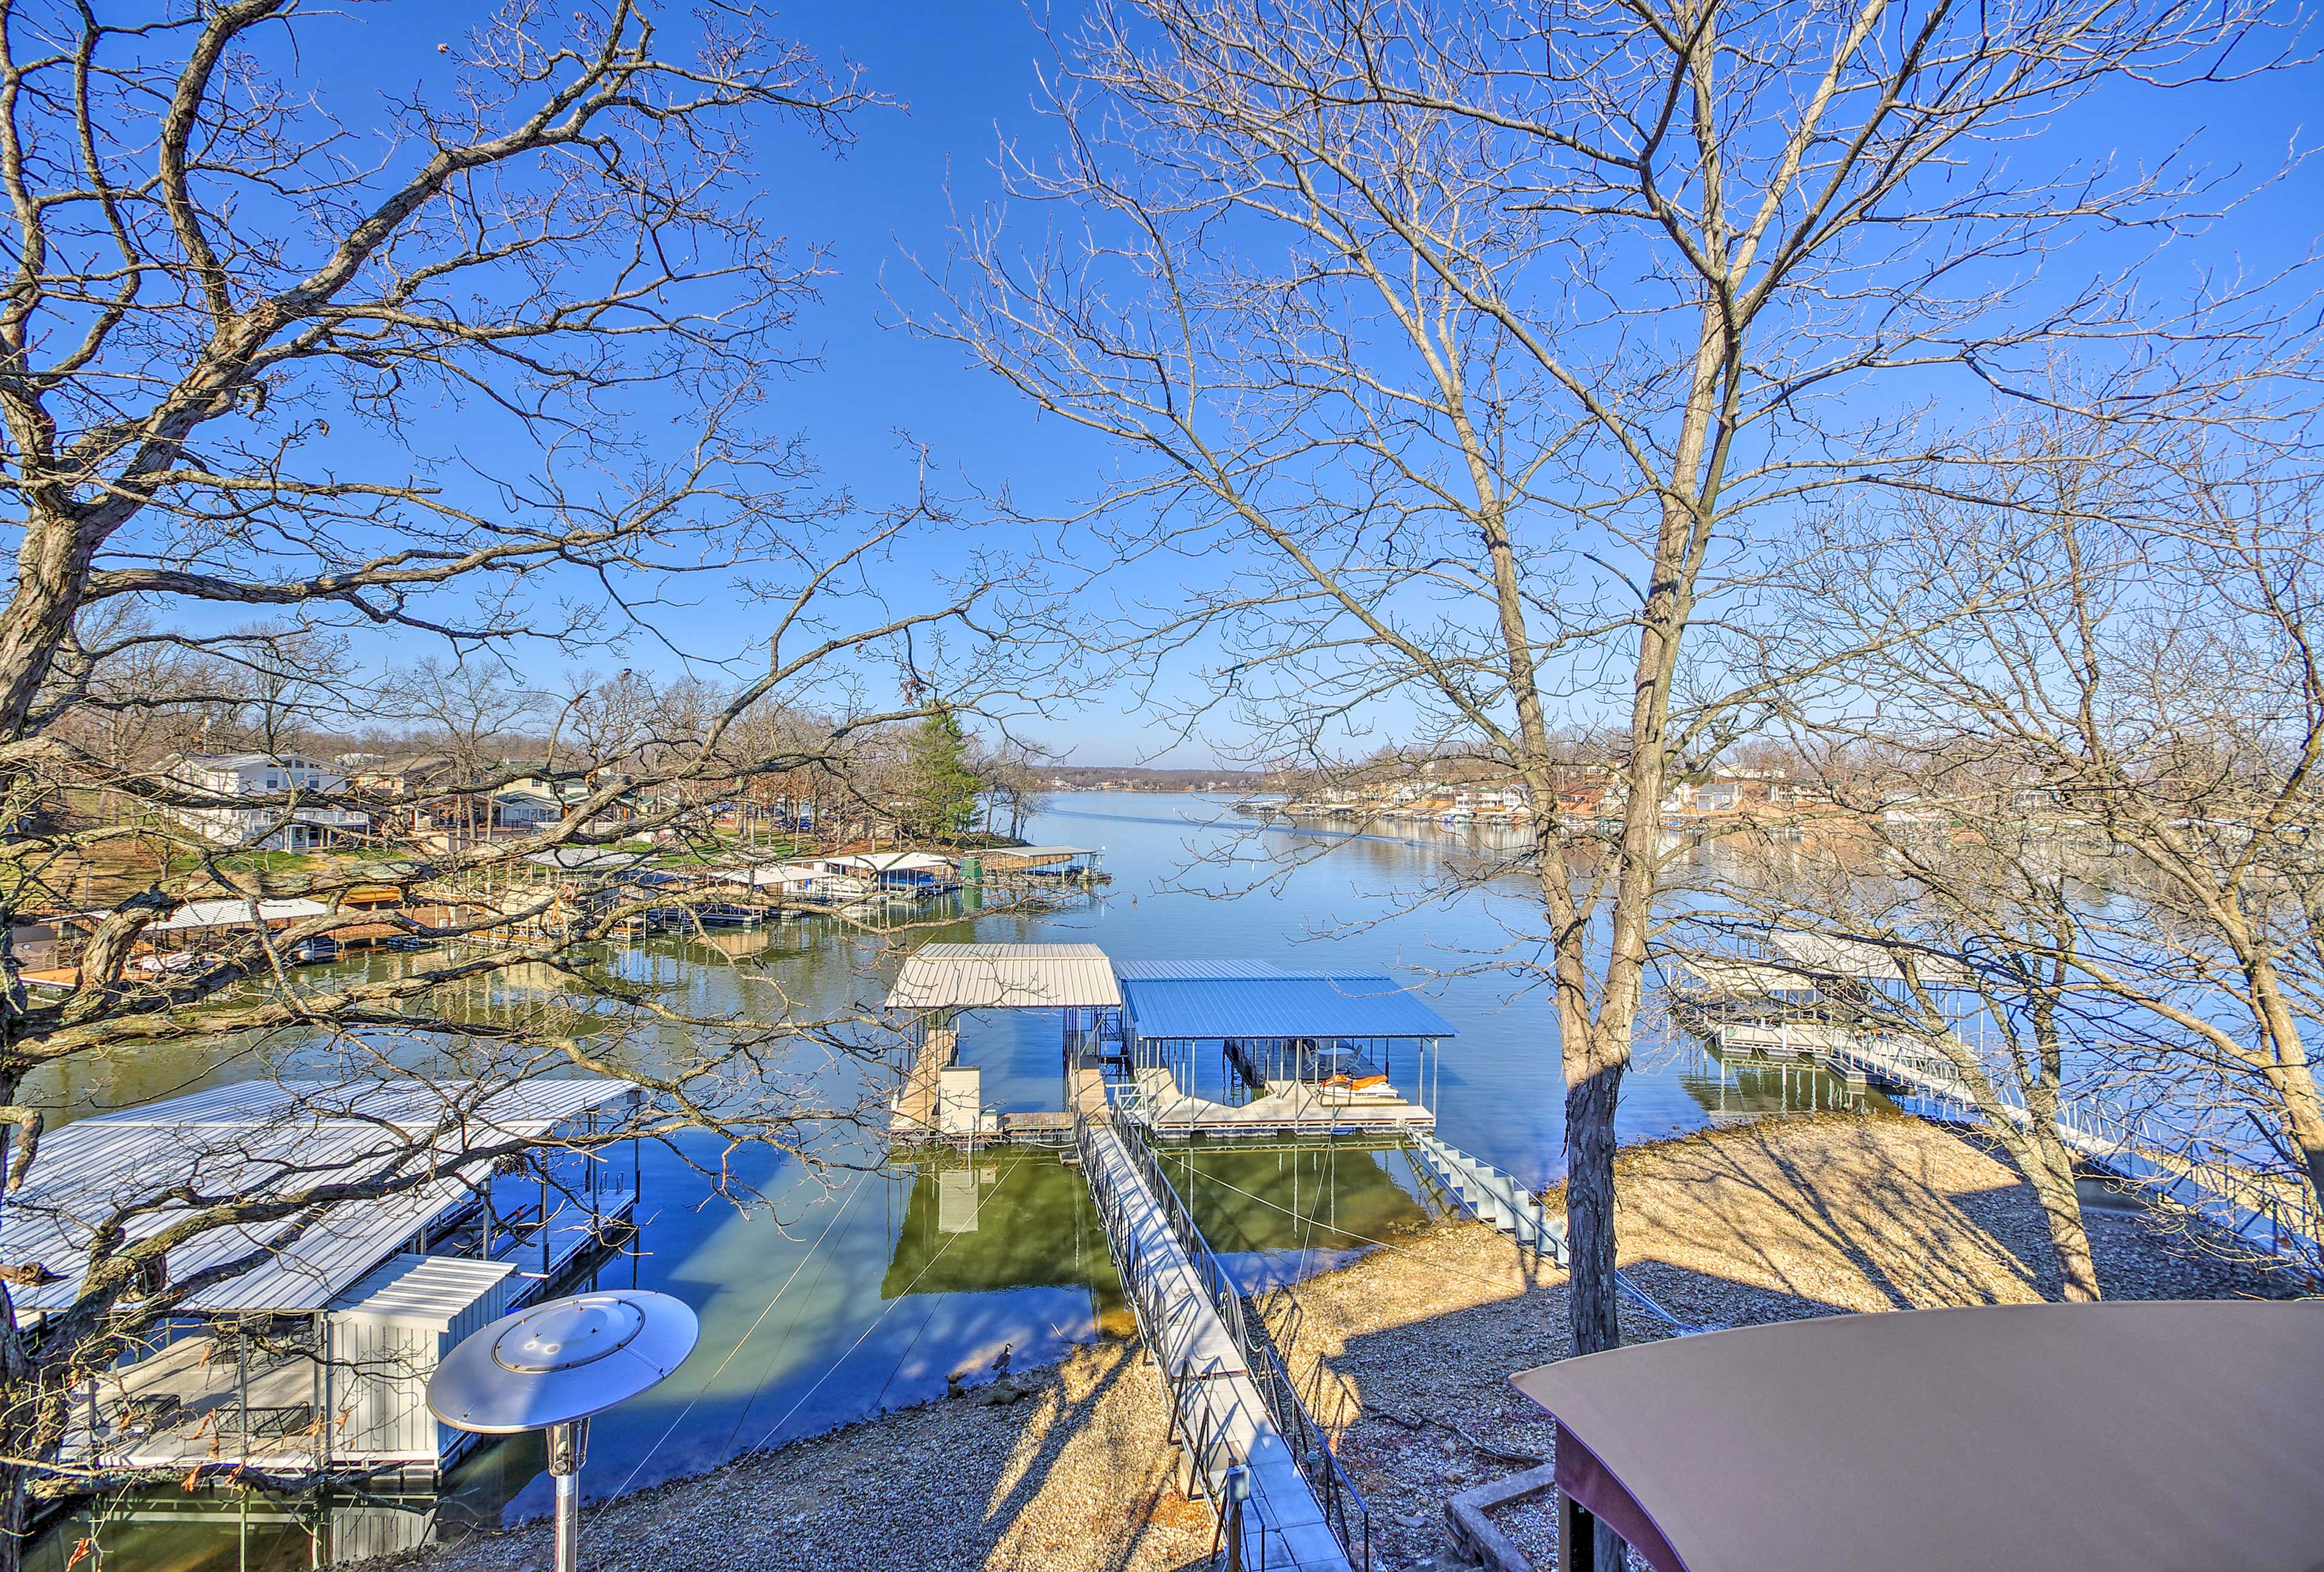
x,y
416,793
402,792
283,823
522,810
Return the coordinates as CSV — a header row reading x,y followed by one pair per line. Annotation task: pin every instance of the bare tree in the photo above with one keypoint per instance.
x,y
1466,358
1013,772
2147,702
1940,925
377,367
282,681
473,709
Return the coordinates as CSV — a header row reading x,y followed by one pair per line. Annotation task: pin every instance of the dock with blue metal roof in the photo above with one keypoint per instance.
x,y
1217,1048
1172,1049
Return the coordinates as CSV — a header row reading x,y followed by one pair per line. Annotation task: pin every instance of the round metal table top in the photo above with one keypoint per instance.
x,y
561,1360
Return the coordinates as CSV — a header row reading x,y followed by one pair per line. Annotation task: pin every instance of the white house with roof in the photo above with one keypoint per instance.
x,y
282,824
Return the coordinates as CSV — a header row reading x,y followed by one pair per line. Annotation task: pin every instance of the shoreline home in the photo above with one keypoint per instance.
x,y
281,779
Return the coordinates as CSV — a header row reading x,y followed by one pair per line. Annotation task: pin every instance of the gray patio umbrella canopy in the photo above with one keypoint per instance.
x,y
2162,1437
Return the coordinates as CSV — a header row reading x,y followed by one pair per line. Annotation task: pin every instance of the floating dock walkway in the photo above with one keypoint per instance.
x,y
1219,1380
1785,1013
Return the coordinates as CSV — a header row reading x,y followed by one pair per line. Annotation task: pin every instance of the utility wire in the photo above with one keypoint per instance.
x,y
833,1369
815,1251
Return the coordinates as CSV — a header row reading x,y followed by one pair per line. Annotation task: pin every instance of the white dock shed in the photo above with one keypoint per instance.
x,y
387,1334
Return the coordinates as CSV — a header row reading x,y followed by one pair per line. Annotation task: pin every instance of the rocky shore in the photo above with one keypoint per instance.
x,y
1405,1354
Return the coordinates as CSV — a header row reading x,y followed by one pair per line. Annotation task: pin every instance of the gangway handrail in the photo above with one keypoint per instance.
x,y
1344,1511
1334,1491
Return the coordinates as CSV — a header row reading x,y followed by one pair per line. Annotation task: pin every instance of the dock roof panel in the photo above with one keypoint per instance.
x,y
1210,967
1837,955
585,859
258,1137
891,861
526,1107
1005,976
775,876
1203,1009
1746,978
236,913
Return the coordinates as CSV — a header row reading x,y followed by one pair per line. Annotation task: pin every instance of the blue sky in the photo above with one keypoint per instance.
x,y
965,75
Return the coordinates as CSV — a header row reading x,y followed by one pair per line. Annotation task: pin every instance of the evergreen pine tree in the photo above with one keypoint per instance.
x,y
944,787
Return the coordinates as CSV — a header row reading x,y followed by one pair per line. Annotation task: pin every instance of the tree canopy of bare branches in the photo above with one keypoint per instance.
x,y
1463,359
483,363
2134,728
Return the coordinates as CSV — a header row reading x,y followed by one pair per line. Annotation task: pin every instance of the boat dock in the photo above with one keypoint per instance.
x,y
1809,1003
314,1361
1173,1050
1216,1048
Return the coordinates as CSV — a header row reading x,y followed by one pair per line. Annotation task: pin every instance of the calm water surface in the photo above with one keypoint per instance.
x,y
854,1289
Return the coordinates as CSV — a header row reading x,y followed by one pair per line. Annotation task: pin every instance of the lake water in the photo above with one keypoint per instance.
x,y
860,1287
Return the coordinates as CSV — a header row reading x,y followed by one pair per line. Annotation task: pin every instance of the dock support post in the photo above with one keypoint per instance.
x,y
242,1380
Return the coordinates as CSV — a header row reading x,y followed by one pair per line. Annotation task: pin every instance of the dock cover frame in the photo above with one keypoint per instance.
x,y
2130,1437
1286,1004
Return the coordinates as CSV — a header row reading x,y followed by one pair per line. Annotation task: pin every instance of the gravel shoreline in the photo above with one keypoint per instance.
x,y
1405,1354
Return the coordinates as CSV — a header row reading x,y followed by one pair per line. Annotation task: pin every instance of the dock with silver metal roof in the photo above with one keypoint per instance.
x,y
312,1357
1297,1053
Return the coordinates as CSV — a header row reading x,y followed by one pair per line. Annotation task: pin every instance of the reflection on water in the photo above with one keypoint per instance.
x,y
1277,1211
855,1285
1000,1220
1739,1086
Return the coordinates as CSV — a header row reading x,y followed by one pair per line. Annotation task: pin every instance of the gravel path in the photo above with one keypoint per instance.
x,y
1076,1477
1406,1352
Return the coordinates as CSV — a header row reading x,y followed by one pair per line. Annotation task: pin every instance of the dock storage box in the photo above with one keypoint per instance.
x,y
387,1334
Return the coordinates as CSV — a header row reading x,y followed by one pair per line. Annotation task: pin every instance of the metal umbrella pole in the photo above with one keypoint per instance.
x,y
550,1367
568,1444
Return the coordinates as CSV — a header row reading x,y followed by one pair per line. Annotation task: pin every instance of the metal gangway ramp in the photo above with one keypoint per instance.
x,y
1232,1400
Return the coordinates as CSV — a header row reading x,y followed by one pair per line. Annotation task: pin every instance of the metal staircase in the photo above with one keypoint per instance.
x,y
1498,1201
1492,1196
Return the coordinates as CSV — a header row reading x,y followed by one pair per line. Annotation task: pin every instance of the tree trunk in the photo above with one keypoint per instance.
x,y
14,1510
2290,1074
1592,1091
2061,1210
2051,1171
2049,1167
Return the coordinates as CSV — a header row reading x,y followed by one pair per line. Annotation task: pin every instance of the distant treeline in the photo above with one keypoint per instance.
x,y
1130,778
